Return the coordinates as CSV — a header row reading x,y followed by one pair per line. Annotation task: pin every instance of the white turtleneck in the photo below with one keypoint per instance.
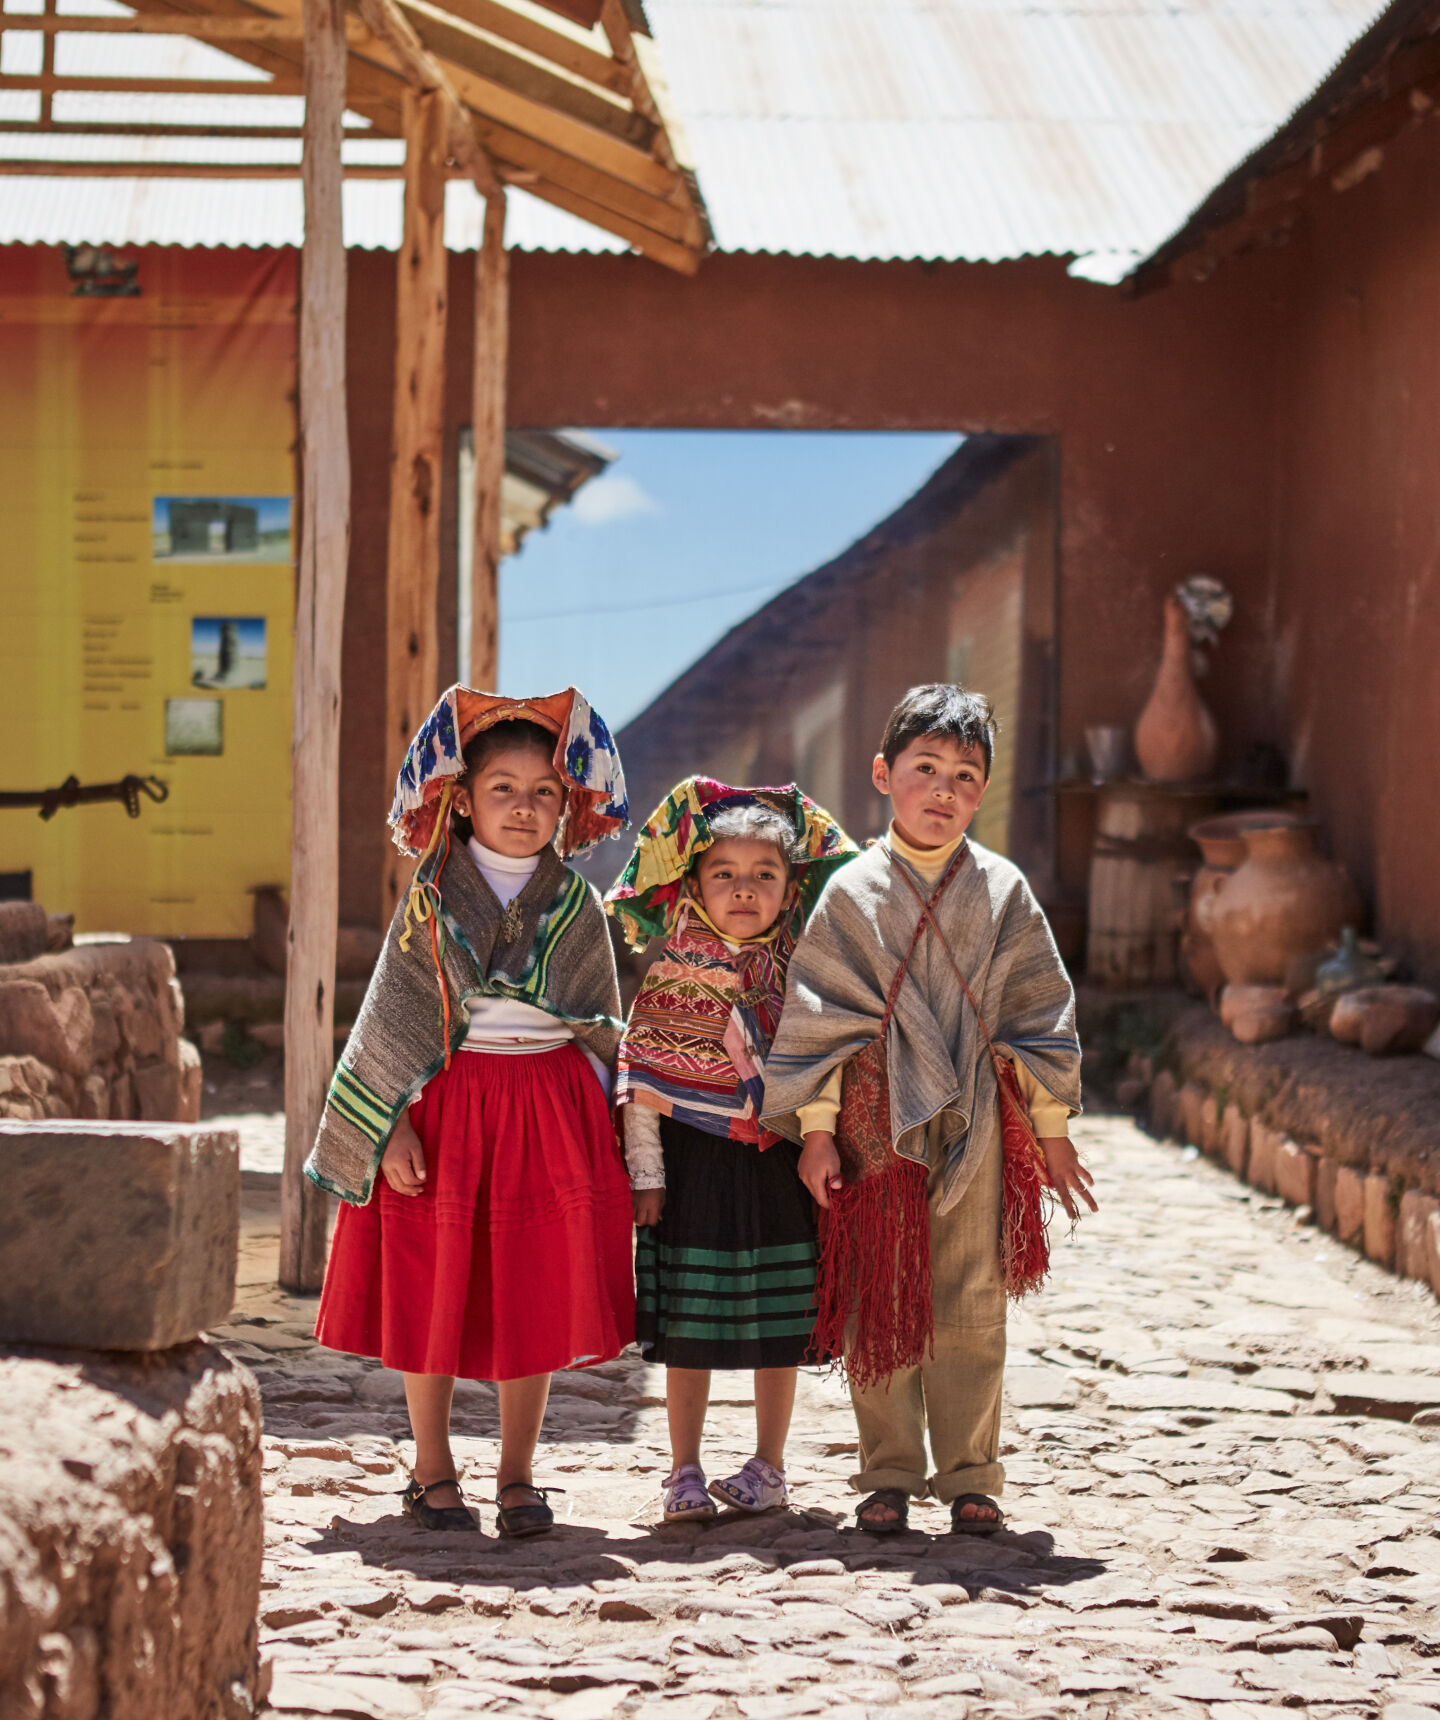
x,y
503,1026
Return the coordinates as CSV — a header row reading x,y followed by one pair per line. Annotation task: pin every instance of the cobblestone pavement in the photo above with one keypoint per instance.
x,y
1202,1521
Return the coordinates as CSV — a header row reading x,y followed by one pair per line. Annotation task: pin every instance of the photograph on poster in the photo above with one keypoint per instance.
x,y
227,651
194,728
221,528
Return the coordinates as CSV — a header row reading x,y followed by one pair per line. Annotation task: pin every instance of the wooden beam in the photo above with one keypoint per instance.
x,y
424,73
164,128
47,59
370,92
31,167
456,40
567,52
417,446
586,13
682,258
203,28
648,91
492,345
51,82
621,160
541,169
324,459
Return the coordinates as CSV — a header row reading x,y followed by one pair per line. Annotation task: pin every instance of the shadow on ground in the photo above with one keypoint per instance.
x,y
574,1556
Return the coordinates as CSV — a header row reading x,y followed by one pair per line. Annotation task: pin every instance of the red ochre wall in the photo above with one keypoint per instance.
x,y
1275,426
1355,586
1162,407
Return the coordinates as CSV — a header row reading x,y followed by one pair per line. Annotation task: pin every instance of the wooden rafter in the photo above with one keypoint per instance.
x,y
427,77
529,103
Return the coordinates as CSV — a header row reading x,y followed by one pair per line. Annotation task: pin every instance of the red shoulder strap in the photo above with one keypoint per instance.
x,y
926,917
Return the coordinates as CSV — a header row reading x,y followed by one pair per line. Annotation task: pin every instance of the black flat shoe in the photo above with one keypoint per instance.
x,y
898,1502
445,1519
518,1521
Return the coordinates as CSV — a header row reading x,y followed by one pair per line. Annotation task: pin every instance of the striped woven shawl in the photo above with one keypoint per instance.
x,y
694,1048
939,1072
560,960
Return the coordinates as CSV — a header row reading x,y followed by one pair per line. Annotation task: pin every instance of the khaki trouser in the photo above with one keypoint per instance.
x,y
957,1390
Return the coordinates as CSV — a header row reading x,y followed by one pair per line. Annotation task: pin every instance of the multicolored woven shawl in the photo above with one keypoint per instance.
x,y
700,1029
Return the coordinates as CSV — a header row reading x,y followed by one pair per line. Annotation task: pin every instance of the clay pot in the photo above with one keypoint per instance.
x,y
1221,841
1283,902
1175,738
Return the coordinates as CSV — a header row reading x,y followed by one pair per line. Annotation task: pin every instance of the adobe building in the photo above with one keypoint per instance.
x,y
1263,413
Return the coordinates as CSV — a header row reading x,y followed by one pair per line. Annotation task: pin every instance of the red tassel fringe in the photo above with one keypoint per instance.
x,y
1025,1243
875,1269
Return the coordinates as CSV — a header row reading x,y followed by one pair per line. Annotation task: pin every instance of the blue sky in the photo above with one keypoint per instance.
x,y
687,533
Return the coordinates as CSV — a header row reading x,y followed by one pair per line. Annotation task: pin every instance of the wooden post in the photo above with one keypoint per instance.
x,y
492,342
319,616
416,450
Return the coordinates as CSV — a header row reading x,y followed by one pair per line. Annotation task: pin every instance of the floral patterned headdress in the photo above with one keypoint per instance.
x,y
585,760
647,895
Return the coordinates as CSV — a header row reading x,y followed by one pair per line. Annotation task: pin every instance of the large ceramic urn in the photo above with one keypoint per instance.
x,y
1221,841
1283,901
1175,738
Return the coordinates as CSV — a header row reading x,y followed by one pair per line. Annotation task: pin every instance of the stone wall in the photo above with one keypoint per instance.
x,y
131,1535
95,1031
1350,1139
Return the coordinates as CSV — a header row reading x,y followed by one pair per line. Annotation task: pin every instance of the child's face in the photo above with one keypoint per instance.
x,y
935,787
744,884
514,801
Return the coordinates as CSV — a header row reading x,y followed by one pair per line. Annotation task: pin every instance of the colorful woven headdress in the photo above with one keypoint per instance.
x,y
585,759
647,894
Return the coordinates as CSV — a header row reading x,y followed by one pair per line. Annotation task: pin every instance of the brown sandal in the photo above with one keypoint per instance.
x,y
899,1503
975,1525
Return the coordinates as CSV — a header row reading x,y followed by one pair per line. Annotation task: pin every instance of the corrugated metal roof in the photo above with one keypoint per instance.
x,y
946,129
43,210
1361,79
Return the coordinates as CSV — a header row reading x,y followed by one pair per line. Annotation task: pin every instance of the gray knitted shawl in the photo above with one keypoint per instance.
x,y
557,957
835,995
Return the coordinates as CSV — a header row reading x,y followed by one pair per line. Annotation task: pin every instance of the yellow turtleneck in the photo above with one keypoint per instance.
x,y
1047,1115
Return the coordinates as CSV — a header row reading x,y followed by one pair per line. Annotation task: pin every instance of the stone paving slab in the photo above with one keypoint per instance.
x,y
1198,1525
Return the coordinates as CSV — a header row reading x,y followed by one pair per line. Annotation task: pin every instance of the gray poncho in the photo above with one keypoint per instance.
x,y
835,995
551,948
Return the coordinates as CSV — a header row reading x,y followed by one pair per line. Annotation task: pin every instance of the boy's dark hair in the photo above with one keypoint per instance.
x,y
940,708
756,824
515,733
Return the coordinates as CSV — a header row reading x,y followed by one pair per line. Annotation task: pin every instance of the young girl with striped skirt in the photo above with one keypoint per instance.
x,y
725,1261
486,1230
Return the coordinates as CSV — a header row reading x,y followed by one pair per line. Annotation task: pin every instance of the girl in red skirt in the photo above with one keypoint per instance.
x,y
494,1242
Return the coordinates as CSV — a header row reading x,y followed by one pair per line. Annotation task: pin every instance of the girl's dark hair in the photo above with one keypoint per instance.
x,y
756,824
517,732
940,708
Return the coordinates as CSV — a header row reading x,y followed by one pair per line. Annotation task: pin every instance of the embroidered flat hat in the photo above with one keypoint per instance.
x,y
646,897
585,759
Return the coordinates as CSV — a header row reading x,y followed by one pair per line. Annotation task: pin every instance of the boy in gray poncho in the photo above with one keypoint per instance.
x,y
874,953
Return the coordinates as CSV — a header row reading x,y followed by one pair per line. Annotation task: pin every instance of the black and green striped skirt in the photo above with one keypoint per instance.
x,y
727,1278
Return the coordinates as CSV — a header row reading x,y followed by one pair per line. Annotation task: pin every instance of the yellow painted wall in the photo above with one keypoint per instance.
x,y
105,405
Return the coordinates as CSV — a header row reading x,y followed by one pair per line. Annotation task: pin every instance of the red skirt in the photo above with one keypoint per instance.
x,y
517,1258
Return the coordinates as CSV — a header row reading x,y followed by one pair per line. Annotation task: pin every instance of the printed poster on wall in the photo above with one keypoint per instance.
x,y
146,478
